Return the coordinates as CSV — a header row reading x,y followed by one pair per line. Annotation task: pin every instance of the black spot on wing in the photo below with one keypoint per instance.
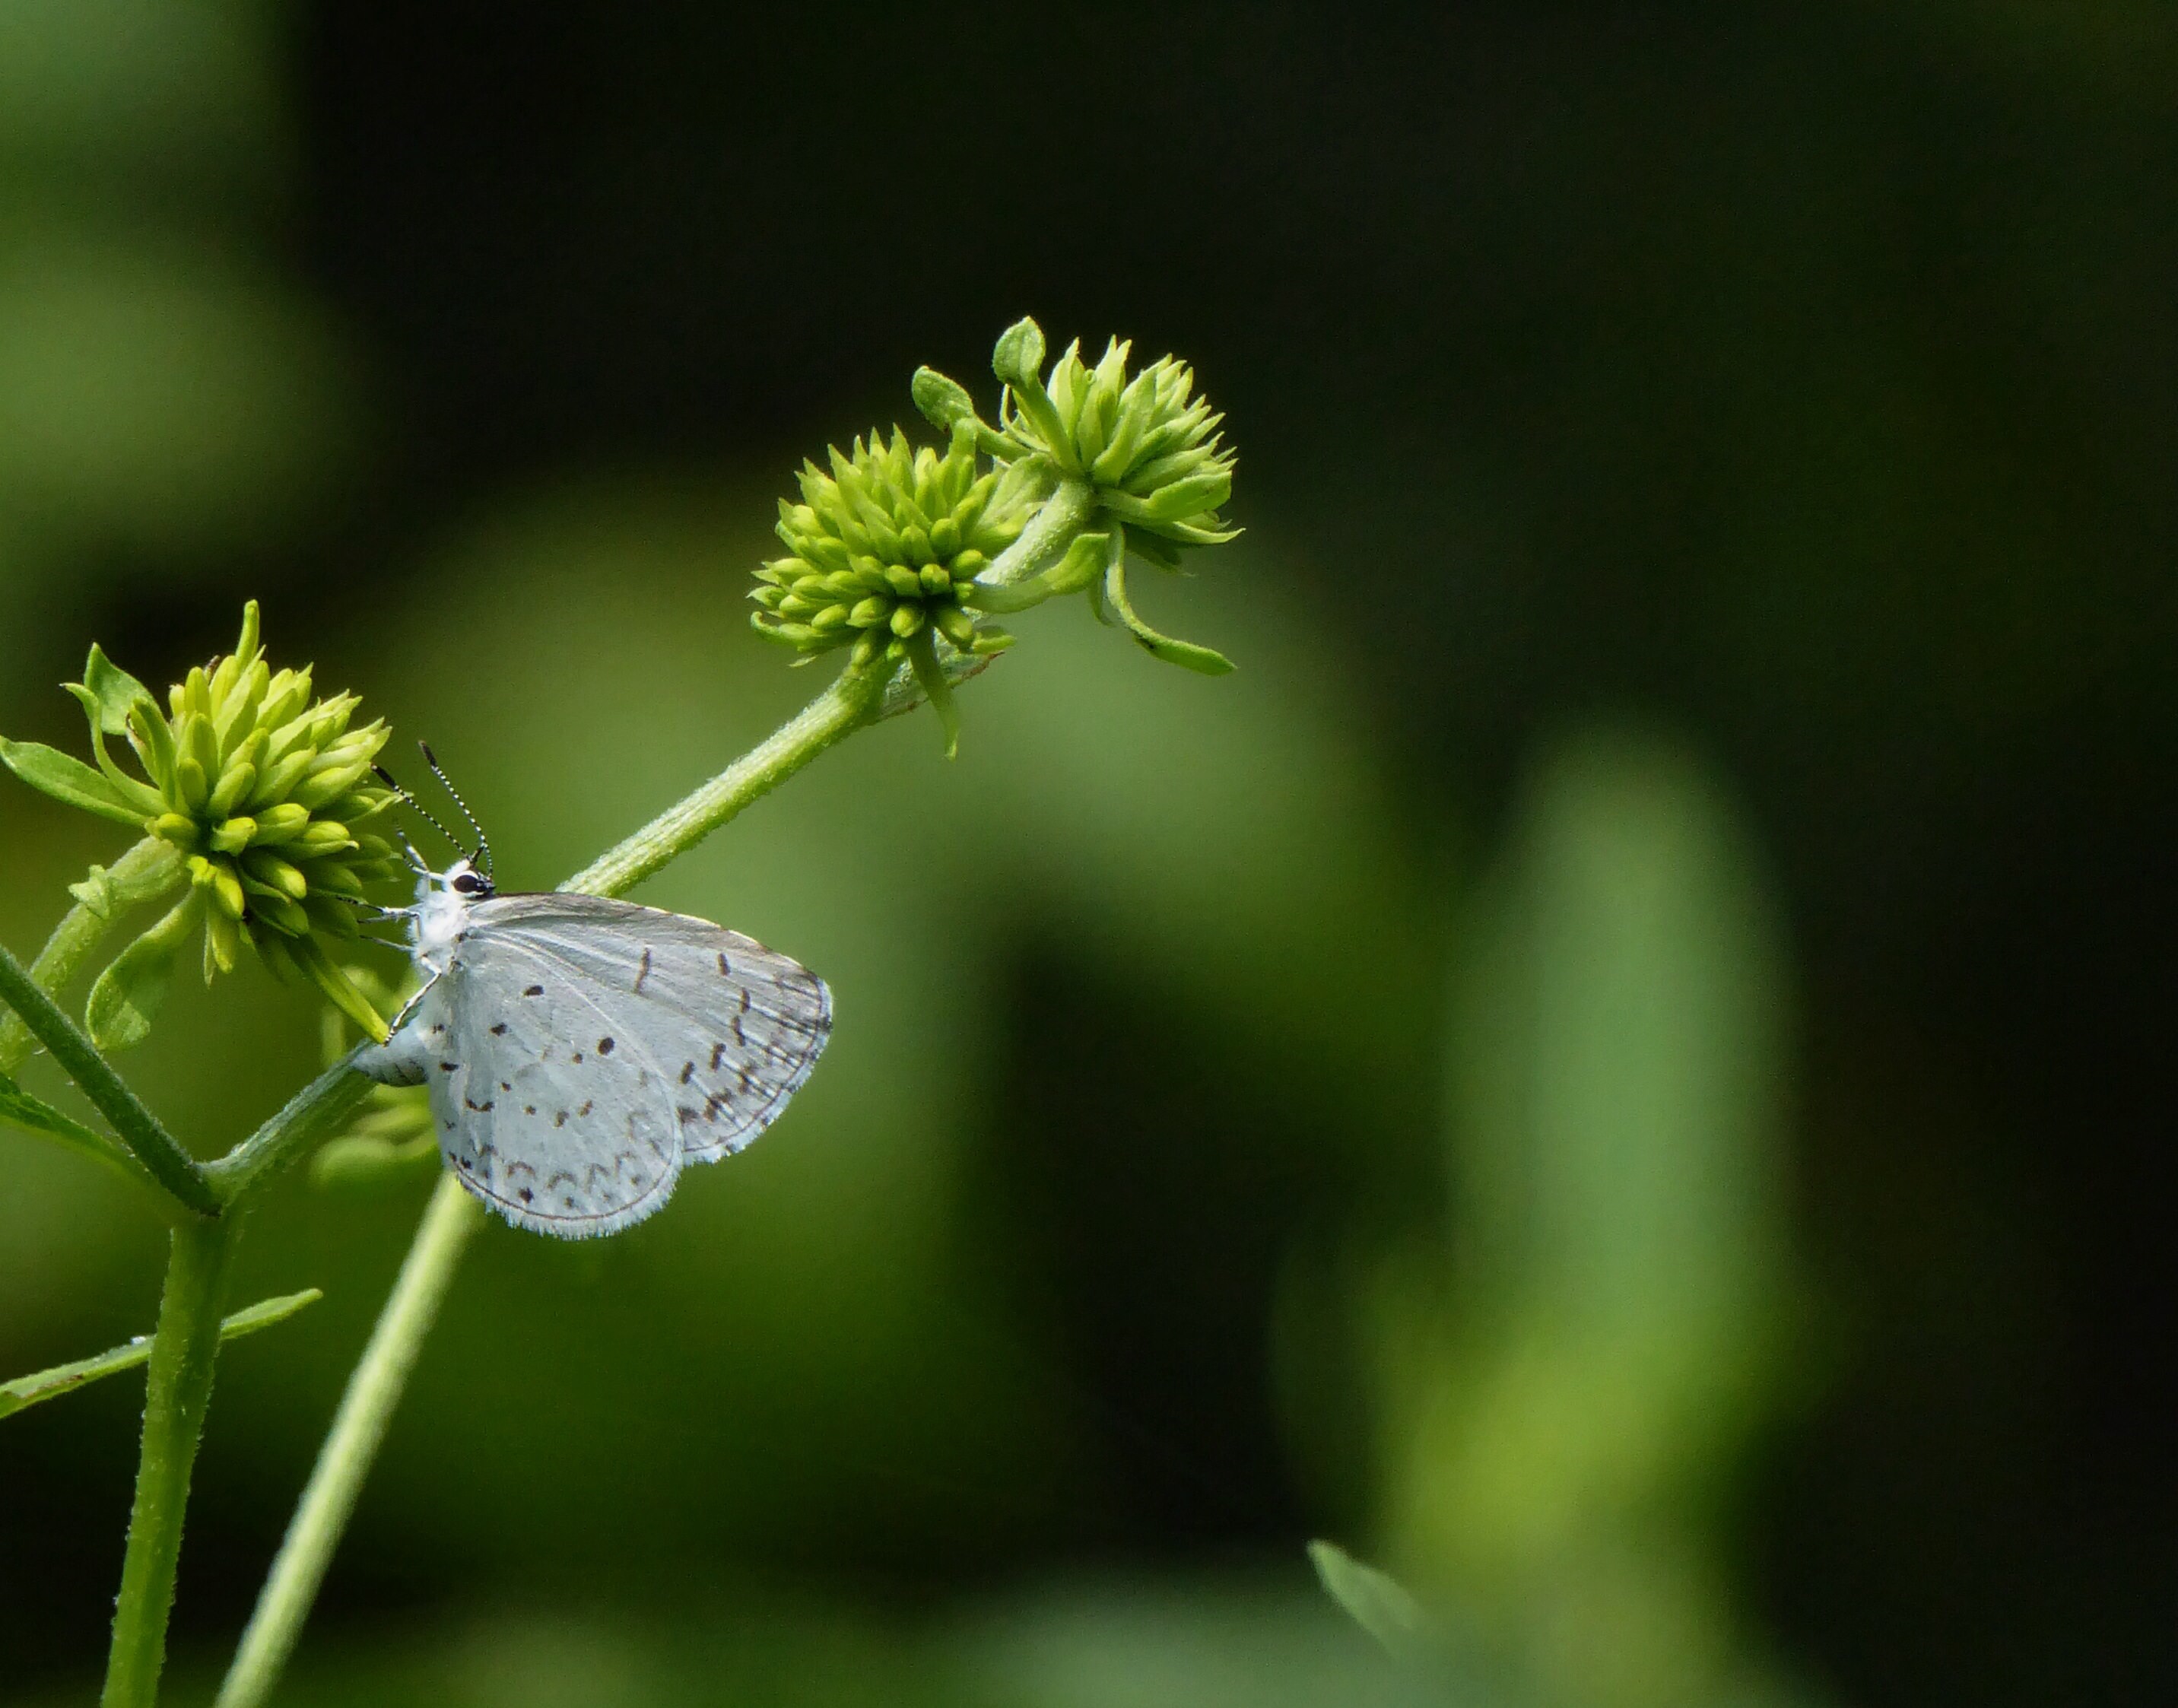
x,y
534,990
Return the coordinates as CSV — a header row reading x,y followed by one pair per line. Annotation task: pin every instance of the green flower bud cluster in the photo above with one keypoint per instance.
x,y
885,549
1147,444
261,792
1123,464
902,555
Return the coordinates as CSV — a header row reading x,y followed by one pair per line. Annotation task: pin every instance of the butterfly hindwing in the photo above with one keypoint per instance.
x,y
733,1027
539,1109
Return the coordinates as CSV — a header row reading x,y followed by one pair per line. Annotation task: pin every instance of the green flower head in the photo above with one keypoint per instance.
x,y
1140,454
1148,444
260,791
884,553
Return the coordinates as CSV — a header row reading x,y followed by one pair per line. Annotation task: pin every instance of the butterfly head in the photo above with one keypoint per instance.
x,y
443,900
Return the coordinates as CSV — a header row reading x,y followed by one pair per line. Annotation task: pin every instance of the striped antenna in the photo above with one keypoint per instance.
x,y
483,843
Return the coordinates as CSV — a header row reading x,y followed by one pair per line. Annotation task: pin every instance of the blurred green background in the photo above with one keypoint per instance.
x,y
1613,1069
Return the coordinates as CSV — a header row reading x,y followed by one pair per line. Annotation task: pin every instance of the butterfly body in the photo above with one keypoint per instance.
x,y
580,1051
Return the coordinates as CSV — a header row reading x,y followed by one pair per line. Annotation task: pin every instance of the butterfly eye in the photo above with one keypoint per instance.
x,y
469,884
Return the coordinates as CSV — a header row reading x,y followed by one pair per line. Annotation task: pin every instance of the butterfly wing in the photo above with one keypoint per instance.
x,y
734,1027
557,1133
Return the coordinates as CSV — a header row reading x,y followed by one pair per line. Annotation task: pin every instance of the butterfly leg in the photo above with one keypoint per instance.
x,y
405,1057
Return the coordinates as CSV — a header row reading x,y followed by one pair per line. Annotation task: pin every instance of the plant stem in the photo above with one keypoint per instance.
x,y
374,1388
358,1429
1050,531
177,1390
316,1112
77,937
176,1170
850,703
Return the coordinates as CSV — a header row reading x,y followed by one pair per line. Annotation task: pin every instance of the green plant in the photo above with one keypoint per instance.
x,y
251,798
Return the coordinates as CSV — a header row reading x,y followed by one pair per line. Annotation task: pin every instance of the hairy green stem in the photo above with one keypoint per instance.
x,y
857,698
358,1429
1050,531
177,1390
174,1168
76,939
316,1113
843,707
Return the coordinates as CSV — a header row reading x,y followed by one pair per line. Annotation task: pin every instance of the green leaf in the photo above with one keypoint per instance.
x,y
35,1116
1184,654
1190,497
1154,548
29,1390
110,697
1374,1601
127,997
1019,357
146,873
1080,566
109,694
70,782
943,402
931,677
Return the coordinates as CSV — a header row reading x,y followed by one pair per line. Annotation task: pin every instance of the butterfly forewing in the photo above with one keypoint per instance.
x,y
732,1026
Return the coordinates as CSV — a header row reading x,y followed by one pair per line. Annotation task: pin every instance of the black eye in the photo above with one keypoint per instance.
x,y
469,884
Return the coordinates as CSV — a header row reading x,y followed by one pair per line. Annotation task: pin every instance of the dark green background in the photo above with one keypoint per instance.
x,y
1792,384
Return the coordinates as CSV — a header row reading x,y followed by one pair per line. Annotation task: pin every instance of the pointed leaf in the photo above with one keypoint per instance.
x,y
943,402
1184,654
127,997
1374,1601
1085,558
35,1116
921,653
29,1390
52,772
110,694
1018,358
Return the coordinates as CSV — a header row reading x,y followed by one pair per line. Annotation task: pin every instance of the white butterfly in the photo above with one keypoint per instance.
x,y
580,1051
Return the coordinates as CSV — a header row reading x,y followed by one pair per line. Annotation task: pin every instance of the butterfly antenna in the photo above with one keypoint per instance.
x,y
484,842
415,860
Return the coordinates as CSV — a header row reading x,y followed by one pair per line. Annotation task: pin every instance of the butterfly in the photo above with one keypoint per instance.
x,y
580,1051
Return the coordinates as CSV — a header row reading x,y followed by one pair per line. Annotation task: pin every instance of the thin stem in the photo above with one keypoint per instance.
x,y
359,1429
177,1390
176,1170
1057,520
842,709
318,1111
82,928
375,1387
